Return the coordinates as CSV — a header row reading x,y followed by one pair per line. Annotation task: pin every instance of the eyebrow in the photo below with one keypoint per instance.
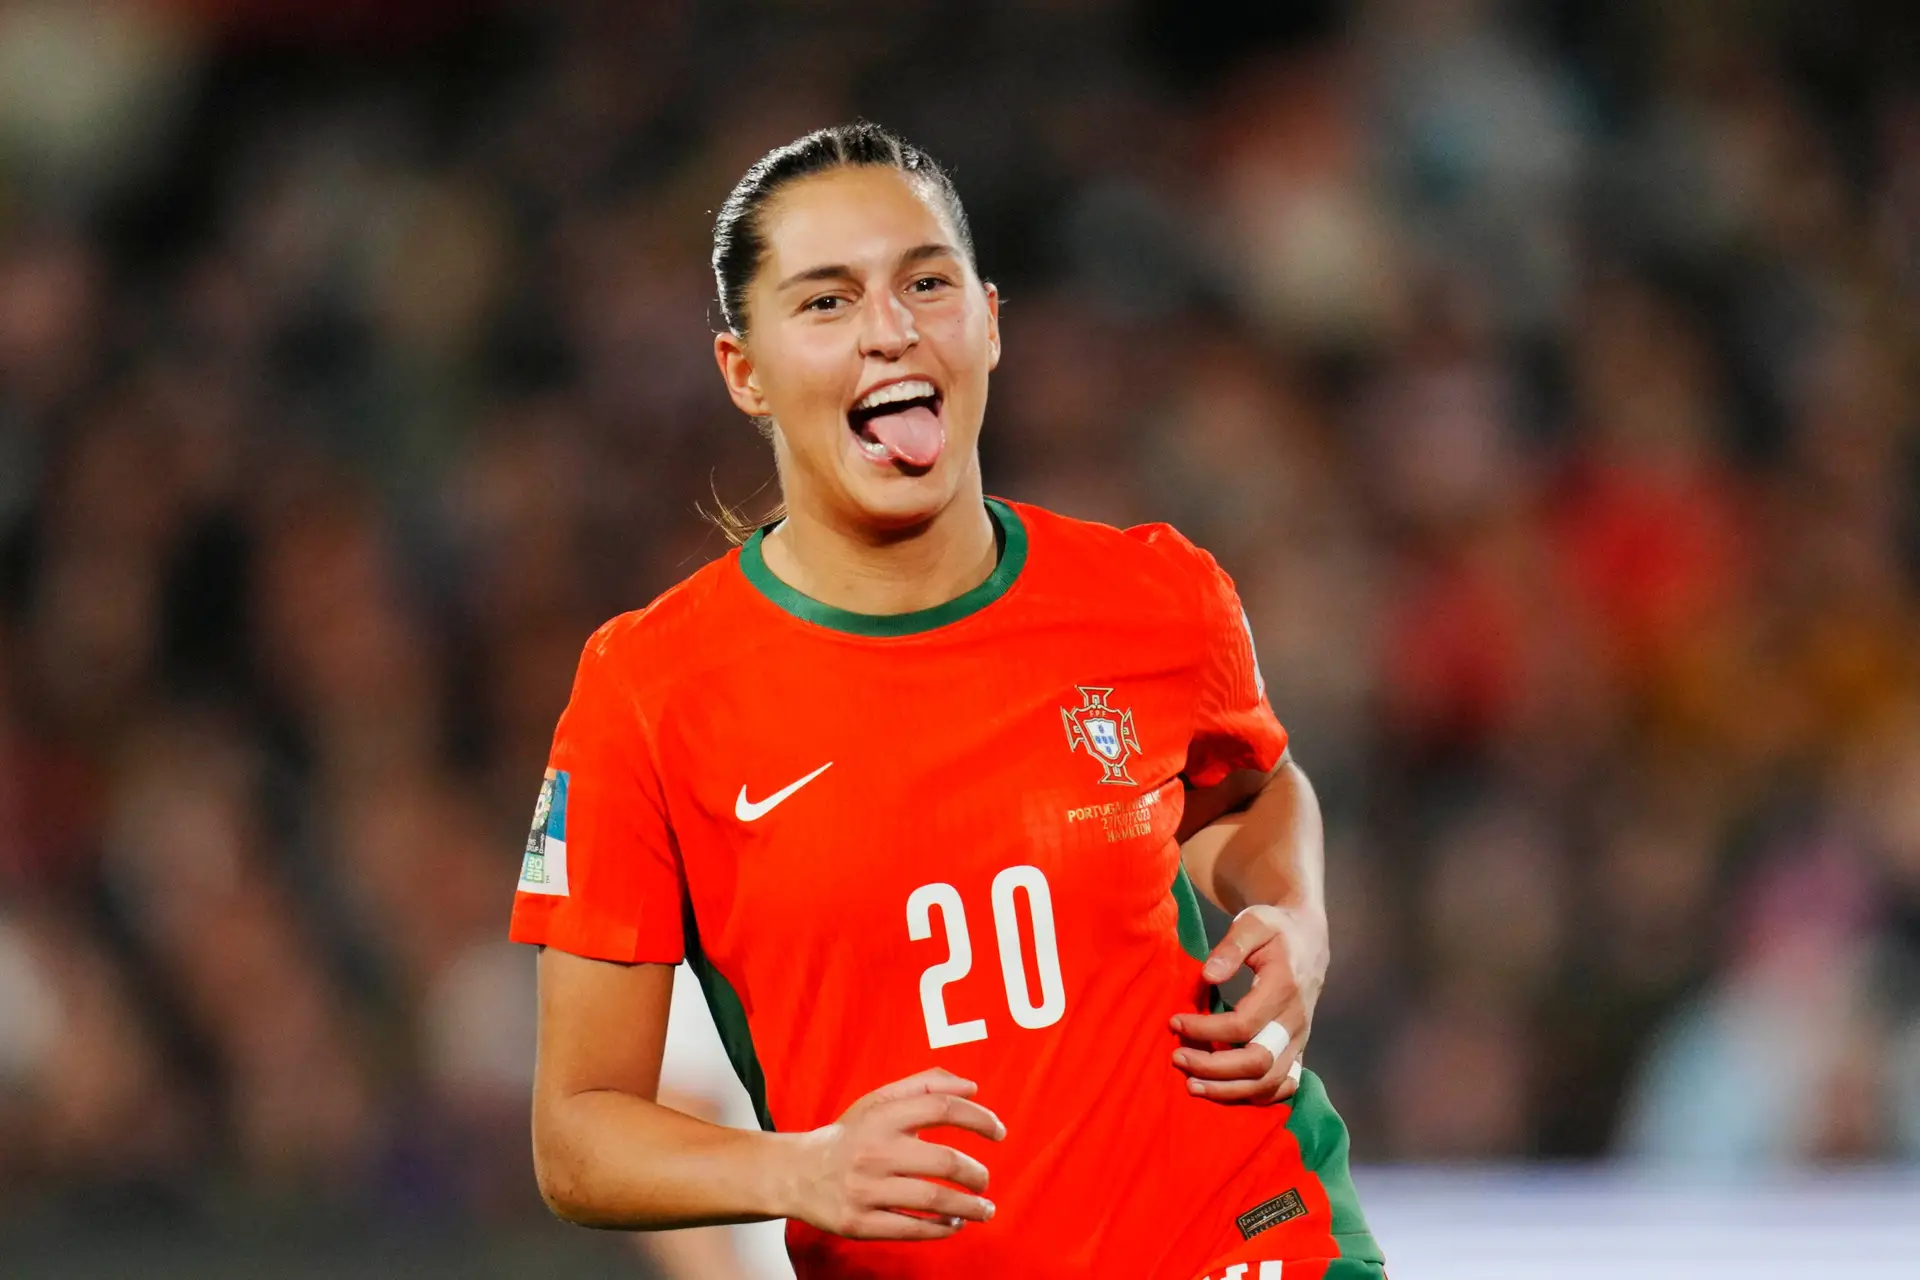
x,y
840,271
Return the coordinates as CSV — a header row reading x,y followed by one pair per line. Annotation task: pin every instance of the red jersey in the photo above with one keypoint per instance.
x,y
946,838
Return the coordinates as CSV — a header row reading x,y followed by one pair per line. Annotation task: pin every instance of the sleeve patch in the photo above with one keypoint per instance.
x,y
544,868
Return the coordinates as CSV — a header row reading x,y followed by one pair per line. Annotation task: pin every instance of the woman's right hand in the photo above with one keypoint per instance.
x,y
866,1175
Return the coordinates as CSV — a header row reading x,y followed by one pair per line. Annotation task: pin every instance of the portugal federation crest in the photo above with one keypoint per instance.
x,y
1106,732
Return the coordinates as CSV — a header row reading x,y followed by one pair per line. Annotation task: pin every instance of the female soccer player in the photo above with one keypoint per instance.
x,y
922,783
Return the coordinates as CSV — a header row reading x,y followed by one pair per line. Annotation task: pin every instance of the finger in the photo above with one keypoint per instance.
x,y
1287,1047
921,1196
1272,1001
1265,1089
1243,937
916,1159
932,1080
1234,1027
1225,959
935,1110
1275,1038
1250,1063
881,1224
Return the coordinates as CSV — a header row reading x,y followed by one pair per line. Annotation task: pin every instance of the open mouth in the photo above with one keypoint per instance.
x,y
900,422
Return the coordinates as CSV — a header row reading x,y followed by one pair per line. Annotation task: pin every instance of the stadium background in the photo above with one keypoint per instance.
x,y
1545,374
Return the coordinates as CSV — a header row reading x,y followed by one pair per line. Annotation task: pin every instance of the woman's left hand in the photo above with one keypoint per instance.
x,y
1287,952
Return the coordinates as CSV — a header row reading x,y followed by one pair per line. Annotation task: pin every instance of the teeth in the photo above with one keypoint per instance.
x,y
875,449
911,389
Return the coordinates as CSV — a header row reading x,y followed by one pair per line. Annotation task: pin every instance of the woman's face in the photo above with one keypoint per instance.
x,y
869,343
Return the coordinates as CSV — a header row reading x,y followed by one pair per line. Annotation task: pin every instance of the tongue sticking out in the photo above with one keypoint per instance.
x,y
914,436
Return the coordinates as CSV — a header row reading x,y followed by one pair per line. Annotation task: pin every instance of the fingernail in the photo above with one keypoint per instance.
x,y
956,1222
1180,1059
1194,1086
990,1210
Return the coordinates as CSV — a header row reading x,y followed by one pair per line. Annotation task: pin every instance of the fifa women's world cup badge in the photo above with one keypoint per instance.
x,y
1105,732
543,868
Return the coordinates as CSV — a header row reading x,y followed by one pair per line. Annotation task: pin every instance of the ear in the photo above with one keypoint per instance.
x,y
736,370
993,323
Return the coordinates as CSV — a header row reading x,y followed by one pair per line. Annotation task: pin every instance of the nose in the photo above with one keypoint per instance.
x,y
887,329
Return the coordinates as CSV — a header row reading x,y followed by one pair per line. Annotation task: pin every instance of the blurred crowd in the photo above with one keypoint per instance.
x,y
1545,375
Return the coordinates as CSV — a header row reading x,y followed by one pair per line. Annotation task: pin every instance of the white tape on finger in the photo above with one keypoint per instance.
x,y
1274,1038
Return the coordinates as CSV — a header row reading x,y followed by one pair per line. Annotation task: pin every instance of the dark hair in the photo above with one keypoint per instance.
x,y
738,245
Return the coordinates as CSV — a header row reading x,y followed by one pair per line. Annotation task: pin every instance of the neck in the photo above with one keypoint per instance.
x,y
896,571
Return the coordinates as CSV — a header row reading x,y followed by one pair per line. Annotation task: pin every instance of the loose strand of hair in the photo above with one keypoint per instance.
x,y
733,521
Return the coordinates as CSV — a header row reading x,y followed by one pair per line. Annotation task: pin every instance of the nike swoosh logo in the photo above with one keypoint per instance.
x,y
747,811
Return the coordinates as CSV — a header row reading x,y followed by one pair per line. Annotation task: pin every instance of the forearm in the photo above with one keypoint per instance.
x,y
1270,852
614,1160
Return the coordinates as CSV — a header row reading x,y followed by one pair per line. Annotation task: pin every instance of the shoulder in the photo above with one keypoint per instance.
x,y
647,650
1147,555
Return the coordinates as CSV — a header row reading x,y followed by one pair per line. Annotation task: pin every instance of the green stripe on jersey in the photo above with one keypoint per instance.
x,y
1193,925
730,1019
1008,532
1192,928
1322,1136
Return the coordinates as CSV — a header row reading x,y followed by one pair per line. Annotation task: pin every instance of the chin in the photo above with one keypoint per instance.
x,y
902,500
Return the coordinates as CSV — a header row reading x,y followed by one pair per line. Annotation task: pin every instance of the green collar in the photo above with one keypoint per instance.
x,y
1013,556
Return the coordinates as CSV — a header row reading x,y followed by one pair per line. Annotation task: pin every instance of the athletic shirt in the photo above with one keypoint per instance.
x,y
946,839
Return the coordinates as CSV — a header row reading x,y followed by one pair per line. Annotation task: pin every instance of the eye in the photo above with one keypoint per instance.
x,y
825,304
928,284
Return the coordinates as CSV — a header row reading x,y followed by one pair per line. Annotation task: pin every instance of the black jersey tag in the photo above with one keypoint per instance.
x,y
1284,1207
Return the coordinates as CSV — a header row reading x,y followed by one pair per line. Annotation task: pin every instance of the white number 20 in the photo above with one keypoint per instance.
x,y
1013,969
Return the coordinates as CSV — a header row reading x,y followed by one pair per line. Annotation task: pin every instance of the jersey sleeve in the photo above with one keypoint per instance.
x,y
600,876
1234,727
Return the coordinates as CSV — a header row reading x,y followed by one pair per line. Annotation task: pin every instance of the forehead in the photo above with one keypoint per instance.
x,y
852,216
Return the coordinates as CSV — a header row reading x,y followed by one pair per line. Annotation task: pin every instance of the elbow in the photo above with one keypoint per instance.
x,y
557,1172
570,1209
559,1185
570,1198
